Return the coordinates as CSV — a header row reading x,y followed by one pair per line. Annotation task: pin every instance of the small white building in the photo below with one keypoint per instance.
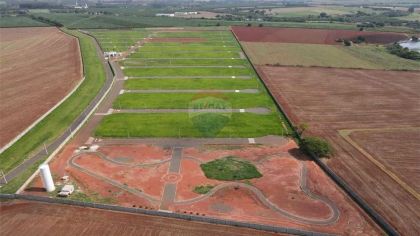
x,y
111,54
165,14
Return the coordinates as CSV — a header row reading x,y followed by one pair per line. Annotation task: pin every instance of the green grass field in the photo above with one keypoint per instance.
x,y
118,40
19,21
183,62
184,100
186,54
181,125
58,121
200,71
193,124
191,84
357,56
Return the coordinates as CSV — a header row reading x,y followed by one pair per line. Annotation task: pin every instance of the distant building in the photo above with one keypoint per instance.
x,y
165,14
111,54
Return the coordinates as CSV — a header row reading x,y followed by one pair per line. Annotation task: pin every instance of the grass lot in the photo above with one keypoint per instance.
x,y
181,125
19,21
357,56
186,54
191,84
193,124
144,72
182,62
182,47
183,100
118,40
57,122
230,168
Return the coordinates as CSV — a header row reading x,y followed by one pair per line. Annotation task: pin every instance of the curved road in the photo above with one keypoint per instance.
x,y
335,213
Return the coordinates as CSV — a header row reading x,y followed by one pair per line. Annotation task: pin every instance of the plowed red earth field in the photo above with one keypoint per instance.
x,y
39,67
372,119
34,218
311,36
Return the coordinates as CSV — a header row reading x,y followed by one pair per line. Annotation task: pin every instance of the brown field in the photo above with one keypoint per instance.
x,y
372,119
39,67
35,218
114,172
310,36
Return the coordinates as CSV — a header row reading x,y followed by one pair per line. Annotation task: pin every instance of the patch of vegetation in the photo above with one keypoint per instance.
x,y
180,125
185,100
203,189
316,146
230,168
191,84
406,53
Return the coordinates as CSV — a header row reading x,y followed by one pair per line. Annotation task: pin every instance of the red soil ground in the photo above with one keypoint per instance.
x,y
311,36
176,40
34,218
280,166
385,105
39,66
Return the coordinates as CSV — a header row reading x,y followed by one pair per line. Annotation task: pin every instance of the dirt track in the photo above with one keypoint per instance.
x,y
52,219
311,36
333,100
39,67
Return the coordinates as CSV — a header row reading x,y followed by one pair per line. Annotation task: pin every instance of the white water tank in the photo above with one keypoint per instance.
x,y
46,177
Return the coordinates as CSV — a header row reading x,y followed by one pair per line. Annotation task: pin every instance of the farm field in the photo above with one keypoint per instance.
x,y
371,118
58,121
315,11
232,89
19,21
363,56
318,36
26,94
40,218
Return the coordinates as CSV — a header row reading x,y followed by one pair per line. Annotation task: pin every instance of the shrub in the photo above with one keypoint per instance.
x,y
347,42
316,146
230,168
203,189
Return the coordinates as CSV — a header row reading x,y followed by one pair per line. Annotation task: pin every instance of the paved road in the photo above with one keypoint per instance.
x,y
43,153
193,142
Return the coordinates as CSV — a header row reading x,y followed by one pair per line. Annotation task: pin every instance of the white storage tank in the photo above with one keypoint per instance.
x,y
46,177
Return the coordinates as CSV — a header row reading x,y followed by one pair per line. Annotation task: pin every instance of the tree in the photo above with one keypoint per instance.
x,y
411,9
249,25
347,42
260,25
414,38
323,15
316,146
